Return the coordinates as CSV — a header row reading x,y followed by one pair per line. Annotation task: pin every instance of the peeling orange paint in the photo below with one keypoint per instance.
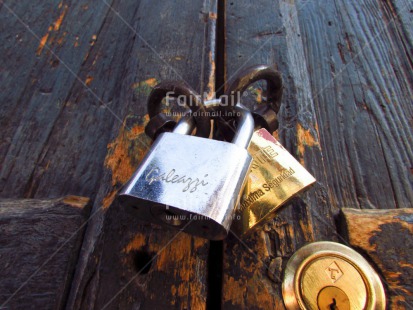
x,y
76,44
145,87
76,201
86,56
235,290
213,15
60,40
151,82
126,150
42,44
187,269
365,226
257,92
107,201
119,162
398,301
93,40
58,22
405,264
137,242
307,230
318,132
305,139
54,27
169,255
175,259
250,291
173,292
211,79
246,278
88,80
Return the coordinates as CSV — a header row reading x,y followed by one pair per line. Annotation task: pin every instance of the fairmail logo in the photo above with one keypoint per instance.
x,y
184,101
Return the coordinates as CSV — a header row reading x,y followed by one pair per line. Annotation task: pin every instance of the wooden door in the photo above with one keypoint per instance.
x,y
74,79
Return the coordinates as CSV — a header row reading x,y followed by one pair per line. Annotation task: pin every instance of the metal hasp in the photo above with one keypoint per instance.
x,y
192,183
328,275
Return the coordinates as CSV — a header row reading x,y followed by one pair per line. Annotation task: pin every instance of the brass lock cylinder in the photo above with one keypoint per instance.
x,y
327,275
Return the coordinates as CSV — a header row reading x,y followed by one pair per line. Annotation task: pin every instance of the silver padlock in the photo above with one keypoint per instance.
x,y
192,183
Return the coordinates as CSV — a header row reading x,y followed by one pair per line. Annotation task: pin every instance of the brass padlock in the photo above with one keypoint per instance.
x,y
275,177
328,275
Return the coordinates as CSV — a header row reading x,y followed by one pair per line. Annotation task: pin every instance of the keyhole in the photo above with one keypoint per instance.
x,y
333,305
333,298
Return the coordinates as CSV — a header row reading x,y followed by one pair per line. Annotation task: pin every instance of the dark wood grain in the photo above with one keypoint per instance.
x,y
362,87
56,129
39,247
75,77
402,11
386,238
346,115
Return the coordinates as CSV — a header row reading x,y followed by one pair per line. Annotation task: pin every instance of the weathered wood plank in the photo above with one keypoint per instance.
x,y
56,129
362,86
169,43
40,242
386,237
402,11
346,116
74,82
148,267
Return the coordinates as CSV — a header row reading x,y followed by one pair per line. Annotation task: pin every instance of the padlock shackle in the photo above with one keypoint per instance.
x,y
245,124
212,104
176,89
253,74
245,127
185,125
